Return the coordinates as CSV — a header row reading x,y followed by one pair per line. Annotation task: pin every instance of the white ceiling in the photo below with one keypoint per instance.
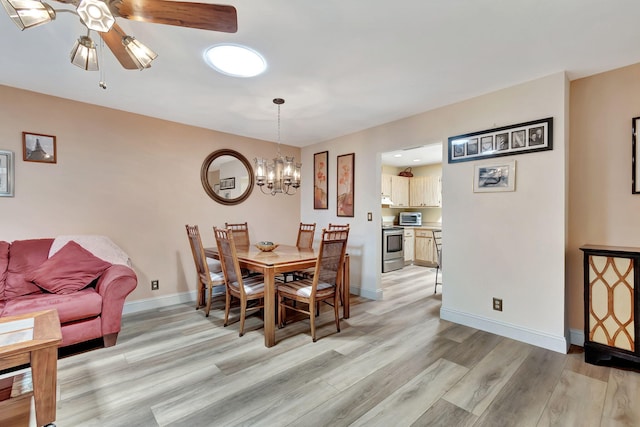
x,y
413,156
342,66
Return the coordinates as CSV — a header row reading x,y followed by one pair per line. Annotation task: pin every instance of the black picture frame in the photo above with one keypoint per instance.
x,y
635,156
227,183
521,138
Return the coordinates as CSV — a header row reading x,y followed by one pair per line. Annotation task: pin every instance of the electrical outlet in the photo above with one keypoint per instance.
x,y
155,285
497,304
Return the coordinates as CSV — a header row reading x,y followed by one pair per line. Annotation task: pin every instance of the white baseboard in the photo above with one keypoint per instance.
x,y
530,336
158,302
376,296
577,337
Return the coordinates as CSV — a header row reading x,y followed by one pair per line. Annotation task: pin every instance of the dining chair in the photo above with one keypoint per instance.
x,y
437,240
240,233
334,227
306,233
243,288
207,276
325,285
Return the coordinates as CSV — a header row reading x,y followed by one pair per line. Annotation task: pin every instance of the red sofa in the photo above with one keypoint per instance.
x,y
94,310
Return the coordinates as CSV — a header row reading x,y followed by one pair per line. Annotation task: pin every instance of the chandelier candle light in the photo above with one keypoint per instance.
x,y
282,175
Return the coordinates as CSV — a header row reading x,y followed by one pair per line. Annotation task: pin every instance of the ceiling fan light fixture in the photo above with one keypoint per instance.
x,y
235,60
28,13
84,54
95,15
139,53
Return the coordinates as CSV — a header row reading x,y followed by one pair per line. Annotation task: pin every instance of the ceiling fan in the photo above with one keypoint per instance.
x,y
100,16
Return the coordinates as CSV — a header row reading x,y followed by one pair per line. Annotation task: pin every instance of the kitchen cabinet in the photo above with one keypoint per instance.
x,y
425,191
425,250
417,191
386,185
409,246
400,191
611,305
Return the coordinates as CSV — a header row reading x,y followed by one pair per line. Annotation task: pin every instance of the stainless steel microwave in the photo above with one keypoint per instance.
x,y
410,218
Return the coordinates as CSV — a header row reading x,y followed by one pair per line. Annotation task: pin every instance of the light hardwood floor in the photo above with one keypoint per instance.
x,y
395,363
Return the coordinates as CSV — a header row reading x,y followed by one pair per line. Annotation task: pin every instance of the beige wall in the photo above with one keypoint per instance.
x,y
602,209
133,178
507,245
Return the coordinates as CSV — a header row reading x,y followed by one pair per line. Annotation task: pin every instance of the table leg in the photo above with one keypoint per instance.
x,y
269,307
346,285
44,365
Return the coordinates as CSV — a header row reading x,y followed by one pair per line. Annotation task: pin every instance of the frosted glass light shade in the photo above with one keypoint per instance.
x,y
28,13
84,54
139,53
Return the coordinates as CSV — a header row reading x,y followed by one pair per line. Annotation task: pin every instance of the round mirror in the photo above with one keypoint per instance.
x,y
227,177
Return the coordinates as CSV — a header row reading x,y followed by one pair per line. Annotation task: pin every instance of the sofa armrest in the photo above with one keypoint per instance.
x,y
114,285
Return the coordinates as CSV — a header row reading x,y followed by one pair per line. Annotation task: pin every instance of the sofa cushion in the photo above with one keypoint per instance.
x,y
24,256
80,305
4,264
68,270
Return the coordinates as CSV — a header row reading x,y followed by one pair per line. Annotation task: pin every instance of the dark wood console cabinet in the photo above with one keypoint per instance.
x,y
611,289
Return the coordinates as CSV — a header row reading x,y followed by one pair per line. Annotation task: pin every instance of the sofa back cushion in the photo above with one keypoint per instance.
x,y
4,264
24,256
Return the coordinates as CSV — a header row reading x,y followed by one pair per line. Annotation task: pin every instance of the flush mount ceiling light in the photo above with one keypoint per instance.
x,y
235,60
100,16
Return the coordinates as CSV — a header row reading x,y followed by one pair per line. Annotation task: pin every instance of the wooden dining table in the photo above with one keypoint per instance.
x,y
284,259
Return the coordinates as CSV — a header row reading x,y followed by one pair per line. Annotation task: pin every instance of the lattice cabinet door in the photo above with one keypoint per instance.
x,y
611,303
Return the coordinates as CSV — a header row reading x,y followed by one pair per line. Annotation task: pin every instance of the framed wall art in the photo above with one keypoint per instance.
x,y
6,173
494,177
321,180
227,183
522,138
345,171
38,148
635,156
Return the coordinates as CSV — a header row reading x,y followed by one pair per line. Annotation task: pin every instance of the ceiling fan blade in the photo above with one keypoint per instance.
x,y
113,39
204,16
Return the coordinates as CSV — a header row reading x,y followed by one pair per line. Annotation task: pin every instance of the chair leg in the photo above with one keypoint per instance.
x,y
312,320
227,306
243,315
435,285
209,298
336,313
280,300
200,295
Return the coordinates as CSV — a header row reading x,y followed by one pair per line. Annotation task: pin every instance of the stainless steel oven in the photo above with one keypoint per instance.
x,y
392,248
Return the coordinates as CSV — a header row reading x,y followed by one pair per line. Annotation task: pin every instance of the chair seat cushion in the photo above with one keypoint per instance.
x,y
214,265
252,285
216,277
303,288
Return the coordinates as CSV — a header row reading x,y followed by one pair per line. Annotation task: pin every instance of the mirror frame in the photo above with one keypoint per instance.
x,y
204,171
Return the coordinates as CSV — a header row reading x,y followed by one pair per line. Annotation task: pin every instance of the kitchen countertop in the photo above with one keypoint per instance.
x,y
426,225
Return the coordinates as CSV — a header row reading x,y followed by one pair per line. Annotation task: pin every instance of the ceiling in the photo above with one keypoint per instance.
x,y
413,156
341,66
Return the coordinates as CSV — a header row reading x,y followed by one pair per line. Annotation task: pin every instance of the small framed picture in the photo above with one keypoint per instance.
x,y
517,139
6,173
227,183
472,147
321,180
38,148
345,184
486,144
458,149
502,141
536,136
495,177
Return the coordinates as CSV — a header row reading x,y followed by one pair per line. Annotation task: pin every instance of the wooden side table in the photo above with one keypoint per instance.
x,y
33,339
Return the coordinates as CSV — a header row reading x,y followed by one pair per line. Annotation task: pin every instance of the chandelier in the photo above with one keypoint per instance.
x,y
282,175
